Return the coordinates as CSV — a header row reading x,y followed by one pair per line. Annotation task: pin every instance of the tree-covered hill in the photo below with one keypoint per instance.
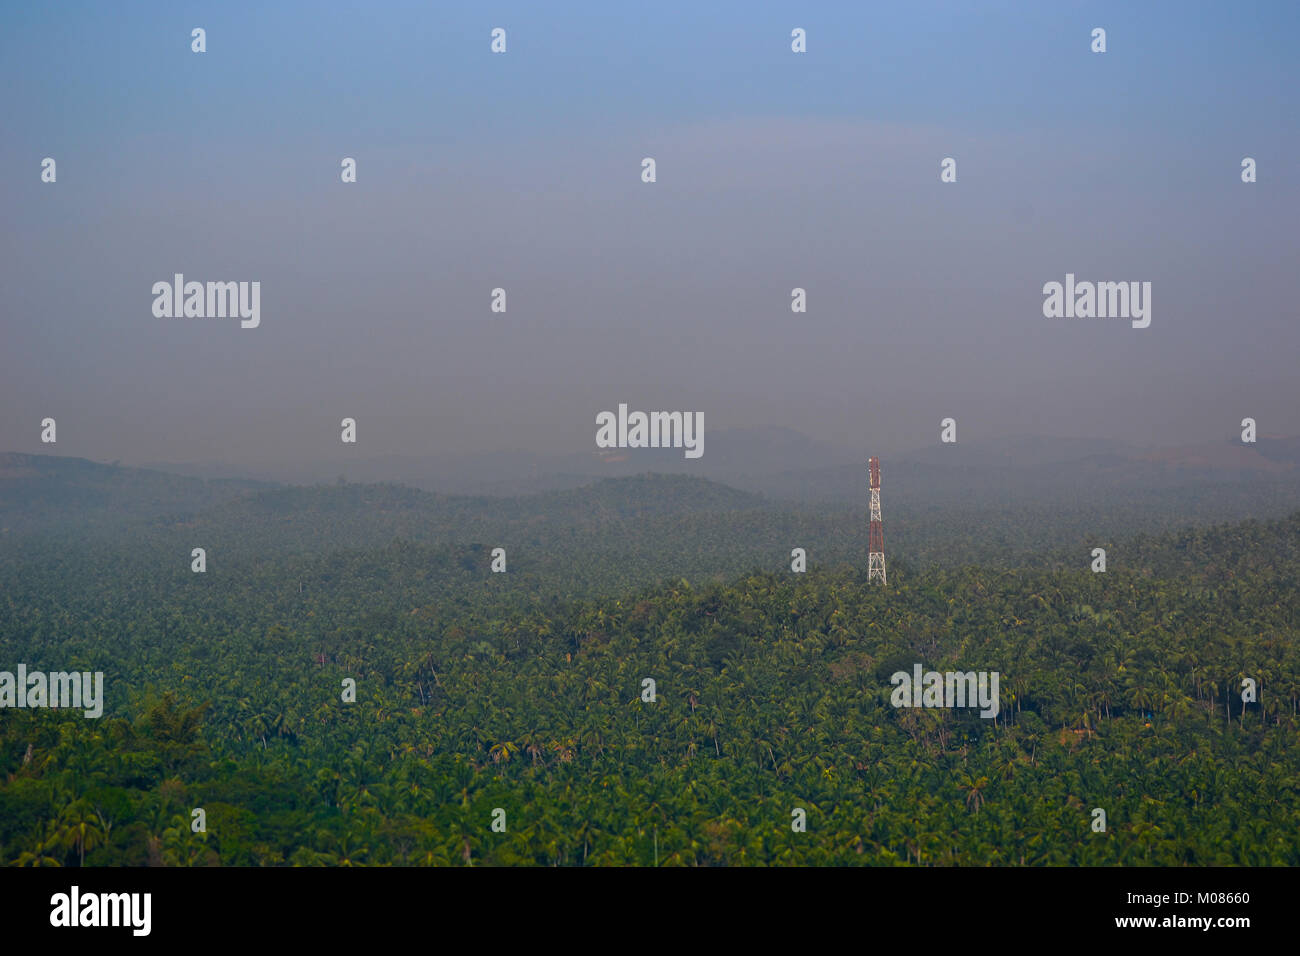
x,y
595,539
1119,691
41,494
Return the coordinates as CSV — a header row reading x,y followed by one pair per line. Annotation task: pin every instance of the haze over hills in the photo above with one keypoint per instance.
x,y
730,454
230,638
767,677
784,463
992,503
45,492
1003,471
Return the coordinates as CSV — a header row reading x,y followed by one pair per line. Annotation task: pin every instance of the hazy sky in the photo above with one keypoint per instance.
x,y
523,170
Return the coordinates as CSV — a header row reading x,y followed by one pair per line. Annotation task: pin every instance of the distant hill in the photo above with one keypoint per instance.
x,y
321,517
644,523
730,453
44,493
782,463
1042,470
1280,448
649,527
1023,451
1227,457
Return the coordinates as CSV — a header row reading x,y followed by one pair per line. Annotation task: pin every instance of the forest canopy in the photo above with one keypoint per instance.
x,y
524,692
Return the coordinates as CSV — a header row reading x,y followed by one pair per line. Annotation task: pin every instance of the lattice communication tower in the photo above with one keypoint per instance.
x,y
876,535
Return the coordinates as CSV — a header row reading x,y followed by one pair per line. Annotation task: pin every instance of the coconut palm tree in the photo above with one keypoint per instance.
x,y
81,829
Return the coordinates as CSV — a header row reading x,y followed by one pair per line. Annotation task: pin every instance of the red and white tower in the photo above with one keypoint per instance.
x,y
876,536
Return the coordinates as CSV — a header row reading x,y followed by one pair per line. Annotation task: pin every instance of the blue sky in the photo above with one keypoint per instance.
x,y
522,170
90,73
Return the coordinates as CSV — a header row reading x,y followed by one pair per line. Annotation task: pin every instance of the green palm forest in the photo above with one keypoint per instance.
x,y
523,691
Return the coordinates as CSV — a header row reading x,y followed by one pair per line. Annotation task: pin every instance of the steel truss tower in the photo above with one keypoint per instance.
x,y
876,535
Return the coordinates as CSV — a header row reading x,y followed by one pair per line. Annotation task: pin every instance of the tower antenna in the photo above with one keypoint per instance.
x,y
876,534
